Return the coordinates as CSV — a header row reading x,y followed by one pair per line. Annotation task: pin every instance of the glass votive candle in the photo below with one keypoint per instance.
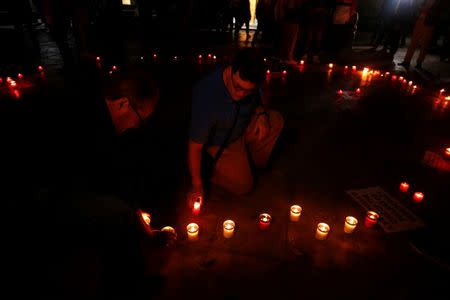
x,y
146,218
371,219
264,221
404,186
228,229
350,224
418,197
192,231
296,211
322,231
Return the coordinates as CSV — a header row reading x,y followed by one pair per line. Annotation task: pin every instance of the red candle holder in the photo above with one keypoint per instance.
x,y
284,72
40,68
371,219
447,152
418,197
358,91
264,221
340,92
404,186
20,75
197,207
98,58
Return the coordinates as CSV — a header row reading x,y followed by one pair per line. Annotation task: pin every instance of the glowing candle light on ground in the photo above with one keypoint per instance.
x,y
209,55
302,62
322,231
400,78
264,221
442,91
404,81
394,77
410,83
214,57
418,197
296,211
228,229
346,67
358,91
447,152
350,224
155,55
354,68
200,56
404,187
330,66
268,72
192,231
20,75
340,92
98,58
40,68
114,68
197,206
284,72
371,219
13,84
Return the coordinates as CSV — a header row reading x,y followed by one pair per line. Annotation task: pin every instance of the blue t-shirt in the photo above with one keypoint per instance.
x,y
214,110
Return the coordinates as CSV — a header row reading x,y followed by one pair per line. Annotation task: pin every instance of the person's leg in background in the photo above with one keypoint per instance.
x,y
427,35
415,39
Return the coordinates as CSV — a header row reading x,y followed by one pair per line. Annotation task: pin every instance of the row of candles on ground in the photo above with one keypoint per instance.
x,y
417,197
265,220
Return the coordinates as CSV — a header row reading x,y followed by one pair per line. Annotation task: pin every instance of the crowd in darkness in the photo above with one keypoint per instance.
x,y
291,29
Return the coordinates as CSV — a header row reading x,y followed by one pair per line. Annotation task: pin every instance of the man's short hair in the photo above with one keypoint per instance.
x,y
250,64
135,83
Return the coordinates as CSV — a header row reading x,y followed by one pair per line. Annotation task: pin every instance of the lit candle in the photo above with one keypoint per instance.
x,y
146,218
350,224
354,68
371,219
447,152
388,73
192,231
40,68
264,221
209,55
442,91
366,70
114,68
228,229
214,57
404,81
358,91
418,197
296,211
98,58
322,231
340,92
197,206
265,59
302,62
346,67
20,75
330,66
268,72
400,78
284,72
447,98
155,55
394,77
8,79
410,83
169,229
142,58
13,84
404,186
200,56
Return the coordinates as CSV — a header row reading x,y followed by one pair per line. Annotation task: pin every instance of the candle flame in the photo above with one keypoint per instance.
x,y
302,62
197,205
330,66
192,227
447,98
146,218
354,67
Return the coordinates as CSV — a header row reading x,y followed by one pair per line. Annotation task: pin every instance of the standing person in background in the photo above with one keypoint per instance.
x,y
344,20
287,15
313,25
265,17
241,13
422,33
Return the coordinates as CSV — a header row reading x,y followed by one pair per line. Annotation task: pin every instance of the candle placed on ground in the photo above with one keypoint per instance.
x,y
228,229
268,72
302,62
371,219
296,211
346,67
418,197
358,91
404,186
192,231
264,221
40,68
169,229
209,55
20,75
284,72
114,68
447,152
13,83
410,83
98,58
322,231
340,92
330,66
155,55
400,78
354,68
197,206
350,224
